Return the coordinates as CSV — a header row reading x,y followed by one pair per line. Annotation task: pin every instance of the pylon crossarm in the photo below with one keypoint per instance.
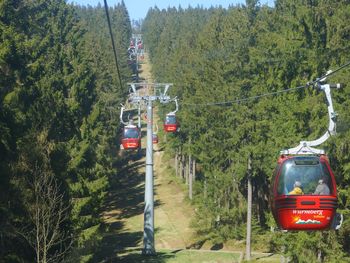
x,y
155,94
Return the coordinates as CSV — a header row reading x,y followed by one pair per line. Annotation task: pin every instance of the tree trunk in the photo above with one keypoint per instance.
x,y
190,176
194,170
184,172
176,163
249,213
319,256
181,166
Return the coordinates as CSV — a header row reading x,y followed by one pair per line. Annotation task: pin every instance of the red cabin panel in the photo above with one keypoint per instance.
x,y
170,127
130,144
305,212
304,193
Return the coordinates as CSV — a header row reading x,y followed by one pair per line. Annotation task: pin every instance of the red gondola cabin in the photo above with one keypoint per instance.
x,y
170,124
131,137
154,138
304,195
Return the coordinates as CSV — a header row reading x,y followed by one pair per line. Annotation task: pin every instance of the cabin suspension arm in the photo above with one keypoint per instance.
x,y
306,147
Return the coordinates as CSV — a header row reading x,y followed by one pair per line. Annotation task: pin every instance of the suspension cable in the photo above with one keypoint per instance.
x,y
114,49
227,103
241,99
328,74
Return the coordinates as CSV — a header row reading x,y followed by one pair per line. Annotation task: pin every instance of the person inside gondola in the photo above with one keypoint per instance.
x,y
297,189
322,188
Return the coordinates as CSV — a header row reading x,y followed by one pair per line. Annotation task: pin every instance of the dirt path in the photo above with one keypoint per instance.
x,y
123,210
173,215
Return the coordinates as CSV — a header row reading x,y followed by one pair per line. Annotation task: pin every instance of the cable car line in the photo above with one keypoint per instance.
x,y
228,103
113,45
328,74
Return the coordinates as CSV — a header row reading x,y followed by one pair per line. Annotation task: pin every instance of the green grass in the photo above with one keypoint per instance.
x,y
193,256
203,256
180,256
265,257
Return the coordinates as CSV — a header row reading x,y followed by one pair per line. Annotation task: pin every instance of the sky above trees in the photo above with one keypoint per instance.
x,y
138,9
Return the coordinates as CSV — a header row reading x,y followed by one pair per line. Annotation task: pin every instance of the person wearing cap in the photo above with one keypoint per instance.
x,y
322,188
297,189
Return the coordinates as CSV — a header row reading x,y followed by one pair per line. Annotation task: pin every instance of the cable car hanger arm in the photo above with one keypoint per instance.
x,y
121,115
306,147
177,107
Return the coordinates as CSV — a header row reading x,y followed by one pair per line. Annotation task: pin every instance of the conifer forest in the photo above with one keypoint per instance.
x,y
245,79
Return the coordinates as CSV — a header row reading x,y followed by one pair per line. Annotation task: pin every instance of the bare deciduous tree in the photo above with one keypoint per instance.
x,y
46,208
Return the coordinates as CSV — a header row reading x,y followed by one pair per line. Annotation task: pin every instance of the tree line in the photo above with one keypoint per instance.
x,y
59,126
226,55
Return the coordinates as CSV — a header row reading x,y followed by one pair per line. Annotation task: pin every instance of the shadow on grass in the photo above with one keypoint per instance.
x,y
268,255
160,149
125,199
141,79
127,192
217,246
115,243
128,156
196,245
136,256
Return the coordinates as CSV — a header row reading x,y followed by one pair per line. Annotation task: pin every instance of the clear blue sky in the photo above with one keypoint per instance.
x,y
138,8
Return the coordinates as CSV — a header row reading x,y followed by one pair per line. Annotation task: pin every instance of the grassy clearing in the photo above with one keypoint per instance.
x,y
194,256
180,255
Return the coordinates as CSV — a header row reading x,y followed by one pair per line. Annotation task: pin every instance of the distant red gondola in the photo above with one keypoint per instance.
x,y
131,137
170,124
155,138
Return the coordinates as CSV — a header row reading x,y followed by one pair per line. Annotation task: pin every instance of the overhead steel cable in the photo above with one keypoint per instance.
x,y
226,103
328,74
241,99
114,49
